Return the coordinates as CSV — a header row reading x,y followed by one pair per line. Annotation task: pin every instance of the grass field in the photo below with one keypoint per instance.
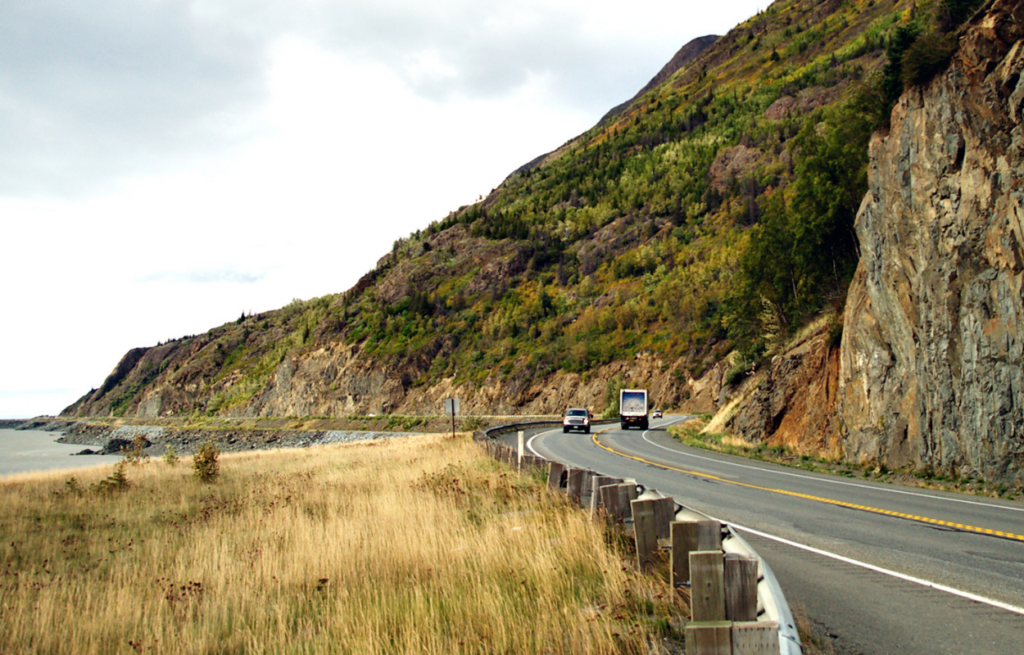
x,y
416,545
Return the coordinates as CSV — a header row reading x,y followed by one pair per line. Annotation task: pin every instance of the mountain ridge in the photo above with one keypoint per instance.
x,y
680,245
683,56
616,237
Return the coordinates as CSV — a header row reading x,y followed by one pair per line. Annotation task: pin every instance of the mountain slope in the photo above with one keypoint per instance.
x,y
684,56
677,245
618,254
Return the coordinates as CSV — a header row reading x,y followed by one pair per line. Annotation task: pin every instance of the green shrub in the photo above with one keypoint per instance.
x,y
72,486
900,41
611,396
116,481
204,462
170,456
929,55
951,13
736,373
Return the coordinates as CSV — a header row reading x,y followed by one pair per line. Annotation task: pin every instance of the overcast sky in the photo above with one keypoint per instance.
x,y
168,165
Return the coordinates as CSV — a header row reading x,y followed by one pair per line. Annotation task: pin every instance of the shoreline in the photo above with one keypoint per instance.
x,y
185,434
107,439
186,441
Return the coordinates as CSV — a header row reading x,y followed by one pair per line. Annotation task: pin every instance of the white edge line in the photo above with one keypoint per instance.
x,y
529,446
871,567
529,442
902,576
822,479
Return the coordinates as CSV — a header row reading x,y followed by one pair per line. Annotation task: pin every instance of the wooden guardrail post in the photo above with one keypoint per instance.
x,y
574,485
757,638
616,499
627,494
597,482
555,471
610,501
709,638
740,587
587,488
664,512
707,589
645,532
689,536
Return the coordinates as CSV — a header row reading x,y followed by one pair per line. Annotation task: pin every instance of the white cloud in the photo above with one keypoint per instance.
x,y
91,89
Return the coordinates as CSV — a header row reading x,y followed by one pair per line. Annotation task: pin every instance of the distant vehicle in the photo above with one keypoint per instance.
x,y
656,413
576,419
633,408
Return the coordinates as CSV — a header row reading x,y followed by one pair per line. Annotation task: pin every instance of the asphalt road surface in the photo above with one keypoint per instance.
x,y
878,568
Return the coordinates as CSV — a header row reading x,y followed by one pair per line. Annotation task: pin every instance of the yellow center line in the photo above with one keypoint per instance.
x,y
828,501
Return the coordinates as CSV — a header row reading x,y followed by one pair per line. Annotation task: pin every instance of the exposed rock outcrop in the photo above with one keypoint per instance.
x,y
933,345
110,440
732,163
806,101
793,402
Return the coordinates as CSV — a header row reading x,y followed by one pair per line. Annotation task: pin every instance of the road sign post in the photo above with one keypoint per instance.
x,y
451,406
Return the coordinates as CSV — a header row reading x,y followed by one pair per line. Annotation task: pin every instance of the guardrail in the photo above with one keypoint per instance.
x,y
491,433
737,605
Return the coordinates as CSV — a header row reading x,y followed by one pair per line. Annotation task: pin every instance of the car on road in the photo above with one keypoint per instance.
x,y
656,413
576,418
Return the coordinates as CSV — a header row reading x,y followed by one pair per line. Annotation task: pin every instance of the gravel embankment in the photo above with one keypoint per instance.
x,y
185,441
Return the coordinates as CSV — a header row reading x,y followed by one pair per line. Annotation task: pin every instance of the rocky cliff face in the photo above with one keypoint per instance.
x,y
933,344
792,403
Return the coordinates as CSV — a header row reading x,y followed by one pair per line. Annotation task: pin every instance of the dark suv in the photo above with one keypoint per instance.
x,y
576,419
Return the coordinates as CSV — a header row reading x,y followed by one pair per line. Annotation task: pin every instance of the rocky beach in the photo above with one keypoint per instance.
x,y
106,439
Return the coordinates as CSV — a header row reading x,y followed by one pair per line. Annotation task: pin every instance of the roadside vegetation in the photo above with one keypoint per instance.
x,y
691,434
418,545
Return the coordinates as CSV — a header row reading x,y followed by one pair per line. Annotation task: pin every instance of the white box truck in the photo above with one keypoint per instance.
x,y
633,408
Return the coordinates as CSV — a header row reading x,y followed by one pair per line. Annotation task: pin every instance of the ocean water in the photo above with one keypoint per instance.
x,y
22,451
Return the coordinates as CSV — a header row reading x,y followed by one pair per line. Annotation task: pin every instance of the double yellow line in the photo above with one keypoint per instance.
x,y
827,501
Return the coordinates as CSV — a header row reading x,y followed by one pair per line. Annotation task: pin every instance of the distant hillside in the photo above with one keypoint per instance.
x,y
617,257
679,245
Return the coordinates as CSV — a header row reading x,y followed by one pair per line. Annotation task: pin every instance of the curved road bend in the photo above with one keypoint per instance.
x,y
835,543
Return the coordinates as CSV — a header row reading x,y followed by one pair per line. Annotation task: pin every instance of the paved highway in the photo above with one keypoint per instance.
x,y
880,568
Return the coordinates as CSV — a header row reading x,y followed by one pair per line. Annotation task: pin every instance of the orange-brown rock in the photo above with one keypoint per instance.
x,y
932,359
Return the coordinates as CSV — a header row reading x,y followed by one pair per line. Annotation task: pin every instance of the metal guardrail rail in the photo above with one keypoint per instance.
x,y
490,433
776,607
770,599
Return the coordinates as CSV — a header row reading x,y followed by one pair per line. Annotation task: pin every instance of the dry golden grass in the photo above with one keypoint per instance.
x,y
418,545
